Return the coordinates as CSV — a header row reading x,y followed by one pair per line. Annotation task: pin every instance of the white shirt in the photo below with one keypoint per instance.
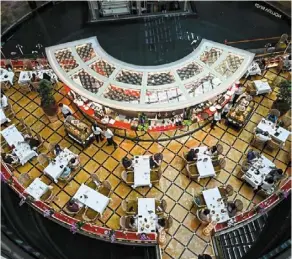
x,y
65,109
227,107
108,133
217,116
263,137
96,130
4,101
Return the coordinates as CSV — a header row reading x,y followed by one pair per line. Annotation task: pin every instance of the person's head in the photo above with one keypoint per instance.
x,y
204,256
73,160
213,149
206,212
132,220
266,133
57,147
95,124
280,171
269,180
33,76
71,202
232,206
196,151
26,138
61,105
158,157
192,151
162,222
219,110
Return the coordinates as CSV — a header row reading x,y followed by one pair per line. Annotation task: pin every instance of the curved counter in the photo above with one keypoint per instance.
x,y
96,77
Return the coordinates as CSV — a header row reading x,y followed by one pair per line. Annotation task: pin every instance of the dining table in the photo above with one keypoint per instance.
x,y
91,198
216,205
3,117
6,76
141,165
58,164
25,76
146,215
37,188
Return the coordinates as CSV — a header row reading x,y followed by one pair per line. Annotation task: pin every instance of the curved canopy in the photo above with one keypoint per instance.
x,y
203,74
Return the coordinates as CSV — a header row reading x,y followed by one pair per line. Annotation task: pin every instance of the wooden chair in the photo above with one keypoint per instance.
x,y
25,88
286,121
93,182
226,191
90,215
199,218
51,147
186,162
155,176
25,180
219,149
105,188
220,166
199,201
275,112
169,223
160,206
239,205
192,171
43,159
130,206
128,177
272,144
244,168
48,196
41,140
9,112
125,223
257,142
22,126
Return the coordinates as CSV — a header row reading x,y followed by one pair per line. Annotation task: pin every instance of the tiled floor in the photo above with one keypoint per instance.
x,y
185,239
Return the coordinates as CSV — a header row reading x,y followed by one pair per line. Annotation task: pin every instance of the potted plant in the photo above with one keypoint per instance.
x,y
48,102
283,102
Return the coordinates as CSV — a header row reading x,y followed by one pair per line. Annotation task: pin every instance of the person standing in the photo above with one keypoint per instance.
x,y
216,118
97,132
239,91
109,137
66,111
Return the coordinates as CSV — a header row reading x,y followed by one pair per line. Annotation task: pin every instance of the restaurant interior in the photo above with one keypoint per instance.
x,y
187,158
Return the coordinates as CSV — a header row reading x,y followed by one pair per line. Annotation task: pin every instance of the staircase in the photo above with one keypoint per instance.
x,y
234,242
113,8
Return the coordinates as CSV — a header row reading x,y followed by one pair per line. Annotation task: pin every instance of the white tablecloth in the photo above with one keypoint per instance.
x,y
205,169
25,76
12,135
141,171
266,125
6,76
146,215
262,87
37,188
259,170
91,198
217,207
253,69
3,117
24,152
55,169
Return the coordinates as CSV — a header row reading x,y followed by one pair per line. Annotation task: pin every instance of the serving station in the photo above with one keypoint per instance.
x,y
148,98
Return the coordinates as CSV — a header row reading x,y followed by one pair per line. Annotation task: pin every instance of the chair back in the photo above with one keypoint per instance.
x,y
95,178
219,149
272,144
124,175
40,139
123,221
229,190
222,163
51,147
163,205
24,179
245,166
275,112
43,159
169,223
239,205
105,188
124,206
192,171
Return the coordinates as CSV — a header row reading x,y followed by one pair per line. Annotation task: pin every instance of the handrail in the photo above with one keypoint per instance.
x,y
253,40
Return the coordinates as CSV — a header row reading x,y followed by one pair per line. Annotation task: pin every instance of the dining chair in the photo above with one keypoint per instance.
x,y
48,196
275,112
273,144
192,171
128,177
9,111
25,88
155,176
184,157
169,223
160,206
221,165
25,180
41,140
51,147
125,223
90,215
130,206
43,159
219,149
93,181
198,212
257,142
226,191
239,205
22,126
105,188
244,168
199,200
286,121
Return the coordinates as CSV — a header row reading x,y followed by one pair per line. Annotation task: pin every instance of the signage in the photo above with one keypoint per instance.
x,y
268,10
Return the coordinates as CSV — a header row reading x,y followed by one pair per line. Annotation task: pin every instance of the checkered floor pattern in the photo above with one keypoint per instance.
x,y
185,238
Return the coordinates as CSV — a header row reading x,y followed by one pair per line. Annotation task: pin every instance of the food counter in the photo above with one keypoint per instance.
x,y
78,131
168,96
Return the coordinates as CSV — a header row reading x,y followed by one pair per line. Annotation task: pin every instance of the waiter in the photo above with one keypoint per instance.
x,y
66,111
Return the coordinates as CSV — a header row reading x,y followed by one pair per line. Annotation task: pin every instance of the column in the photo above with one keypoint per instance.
x,y
185,5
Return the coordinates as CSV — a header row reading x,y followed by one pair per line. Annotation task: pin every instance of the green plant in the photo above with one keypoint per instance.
x,y
46,93
283,102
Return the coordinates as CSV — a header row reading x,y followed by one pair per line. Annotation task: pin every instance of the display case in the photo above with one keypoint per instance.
x,y
109,90
78,131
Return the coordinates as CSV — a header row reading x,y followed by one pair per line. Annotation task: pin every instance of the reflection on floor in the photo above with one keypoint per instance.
x,y
185,238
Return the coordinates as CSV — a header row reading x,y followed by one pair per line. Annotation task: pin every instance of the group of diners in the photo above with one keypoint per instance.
x,y
143,170
203,162
145,215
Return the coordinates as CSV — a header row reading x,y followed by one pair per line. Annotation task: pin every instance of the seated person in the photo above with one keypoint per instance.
x,y
160,224
268,183
192,155
251,154
57,150
263,136
10,159
66,172
204,256
127,163
273,118
205,215
231,209
72,206
34,78
213,150
155,160
133,223
277,174
4,101
32,142
74,162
